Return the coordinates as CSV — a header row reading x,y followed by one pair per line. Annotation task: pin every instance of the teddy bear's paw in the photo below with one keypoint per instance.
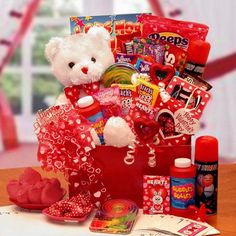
x,y
117,133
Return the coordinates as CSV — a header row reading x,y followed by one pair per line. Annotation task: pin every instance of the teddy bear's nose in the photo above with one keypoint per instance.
x,y
84,70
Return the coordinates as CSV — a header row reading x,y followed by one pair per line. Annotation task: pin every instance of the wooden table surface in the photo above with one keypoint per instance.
x,y
225,220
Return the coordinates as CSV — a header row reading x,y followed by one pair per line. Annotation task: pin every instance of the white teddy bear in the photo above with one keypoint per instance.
x,y
81,59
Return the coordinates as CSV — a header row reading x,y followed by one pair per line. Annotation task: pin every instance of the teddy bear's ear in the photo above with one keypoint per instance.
x,y
52,47
99,32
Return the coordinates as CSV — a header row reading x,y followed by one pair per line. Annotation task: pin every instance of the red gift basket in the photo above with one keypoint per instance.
x,y
163,112
126,181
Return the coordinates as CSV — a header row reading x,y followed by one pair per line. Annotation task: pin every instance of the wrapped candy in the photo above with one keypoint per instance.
x,y
110,101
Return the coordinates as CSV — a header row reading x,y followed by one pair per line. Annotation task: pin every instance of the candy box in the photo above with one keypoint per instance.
x,y
156,194
114,24
123,24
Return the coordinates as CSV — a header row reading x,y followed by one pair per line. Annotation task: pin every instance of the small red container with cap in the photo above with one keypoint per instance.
x,y
206,160
90,109
198,52
182,175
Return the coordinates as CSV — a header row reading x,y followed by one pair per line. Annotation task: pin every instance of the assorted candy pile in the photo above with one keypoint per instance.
x,y
31,188
159,73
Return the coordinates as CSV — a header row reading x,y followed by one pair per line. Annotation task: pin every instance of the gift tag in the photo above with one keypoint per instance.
x,y
185,123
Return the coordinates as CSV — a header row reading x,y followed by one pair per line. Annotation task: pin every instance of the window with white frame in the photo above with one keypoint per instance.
x,y
27,80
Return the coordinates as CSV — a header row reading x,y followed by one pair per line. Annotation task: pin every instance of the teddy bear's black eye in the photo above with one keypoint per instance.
x,y
93,59
71,64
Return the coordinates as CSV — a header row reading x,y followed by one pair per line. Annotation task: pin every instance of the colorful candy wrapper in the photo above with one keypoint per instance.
x,y
149,47
125,42
172,31
143,66
125,58
147,92
175,57
127,94
132,58
197,81
156,194
110,102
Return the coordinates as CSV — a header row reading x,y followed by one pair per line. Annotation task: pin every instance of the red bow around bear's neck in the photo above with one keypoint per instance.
x,y
73,92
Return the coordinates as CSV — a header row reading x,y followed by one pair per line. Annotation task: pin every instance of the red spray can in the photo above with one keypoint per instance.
x,y
206,160
198,52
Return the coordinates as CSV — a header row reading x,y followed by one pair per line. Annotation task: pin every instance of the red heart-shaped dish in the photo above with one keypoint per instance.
x,y
161,73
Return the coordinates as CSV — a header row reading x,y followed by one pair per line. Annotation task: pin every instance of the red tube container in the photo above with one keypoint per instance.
x,y
182,186
198,52
206,160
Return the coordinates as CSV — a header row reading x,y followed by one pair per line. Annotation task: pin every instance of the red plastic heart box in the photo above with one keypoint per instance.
x,y
126,181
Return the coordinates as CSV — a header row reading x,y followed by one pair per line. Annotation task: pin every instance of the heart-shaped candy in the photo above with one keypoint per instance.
x,y
34,194
166,121
145,128
51,194
161,73
30,176
12,188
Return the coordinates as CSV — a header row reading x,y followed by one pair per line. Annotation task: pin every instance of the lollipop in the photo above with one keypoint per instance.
x,y
118,73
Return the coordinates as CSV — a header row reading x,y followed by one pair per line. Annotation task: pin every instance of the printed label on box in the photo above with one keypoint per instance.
x,y
156,194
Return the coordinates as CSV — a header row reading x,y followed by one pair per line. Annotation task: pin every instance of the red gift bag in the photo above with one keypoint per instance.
x,y
126,181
